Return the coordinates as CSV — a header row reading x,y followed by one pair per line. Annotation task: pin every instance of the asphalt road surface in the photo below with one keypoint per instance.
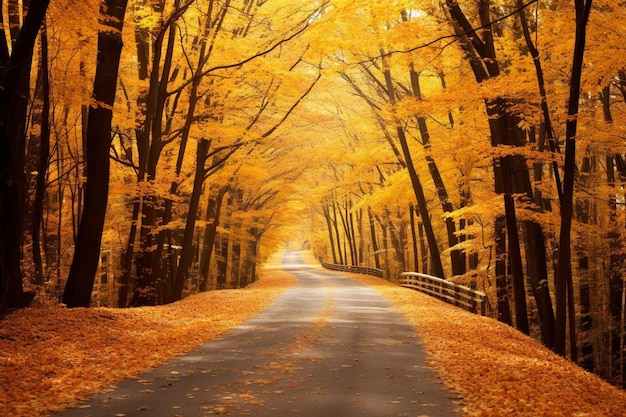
x,y
329,347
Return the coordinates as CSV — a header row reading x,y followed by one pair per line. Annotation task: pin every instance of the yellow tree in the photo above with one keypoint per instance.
x,y
80,281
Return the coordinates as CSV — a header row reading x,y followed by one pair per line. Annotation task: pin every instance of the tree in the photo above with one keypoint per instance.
x,y
563,280
80,281
14,93
511,175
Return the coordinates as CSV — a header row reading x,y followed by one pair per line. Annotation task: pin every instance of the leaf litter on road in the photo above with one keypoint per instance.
x,y
498,370
53,357
50,358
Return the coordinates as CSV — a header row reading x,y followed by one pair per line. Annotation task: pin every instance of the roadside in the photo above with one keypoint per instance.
x,y
51,358
498,370
330,346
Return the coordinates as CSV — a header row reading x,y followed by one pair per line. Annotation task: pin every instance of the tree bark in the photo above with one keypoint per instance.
x,y
502,284
14,94
87,252
44,151
480,52
214,210
457,257
326,210
337,235
433,247
129,254
563,279
374,238
186,253
414,238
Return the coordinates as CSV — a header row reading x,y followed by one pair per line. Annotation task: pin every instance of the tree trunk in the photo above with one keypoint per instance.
x,y
129,254
519,292
337,236
502,284
186,253
149,288
213,213
563,279
326,210
505,131
374,239
44,151
615,280
414,238
350,219
433,247
457,258
87,253
14,94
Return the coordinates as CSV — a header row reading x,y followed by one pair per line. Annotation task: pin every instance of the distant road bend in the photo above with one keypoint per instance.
x,y
329,347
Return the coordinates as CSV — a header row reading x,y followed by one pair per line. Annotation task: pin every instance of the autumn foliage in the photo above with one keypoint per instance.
x,y
152,150
50,358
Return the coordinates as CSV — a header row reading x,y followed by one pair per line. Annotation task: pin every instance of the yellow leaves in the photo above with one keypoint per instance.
x,y
146,18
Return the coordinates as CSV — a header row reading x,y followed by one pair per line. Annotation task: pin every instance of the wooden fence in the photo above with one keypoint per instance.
x,y
350,268
458,295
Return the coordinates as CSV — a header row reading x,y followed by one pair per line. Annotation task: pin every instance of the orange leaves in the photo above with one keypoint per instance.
x,y
498,370
52,357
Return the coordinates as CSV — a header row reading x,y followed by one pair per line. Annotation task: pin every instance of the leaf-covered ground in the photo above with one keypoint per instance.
x,y
497,370
52,357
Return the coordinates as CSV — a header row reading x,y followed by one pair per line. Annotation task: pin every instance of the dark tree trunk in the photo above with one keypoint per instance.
x,y
346,234
504,128
414,238
361,244
129,254
616,258
545,111
186,253
44,151
563,282
350,218
435,256
214,210
397,241
14,94
374,239
537,264
519,292
457,258
330,230
587,360
149,289
502,284
423,248
337,236
87,253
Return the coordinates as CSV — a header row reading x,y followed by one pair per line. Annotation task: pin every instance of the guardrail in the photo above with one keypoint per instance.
x,y
351,268
458,295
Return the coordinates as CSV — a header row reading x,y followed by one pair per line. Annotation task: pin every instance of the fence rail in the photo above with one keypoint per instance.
x,y
350,268
458,295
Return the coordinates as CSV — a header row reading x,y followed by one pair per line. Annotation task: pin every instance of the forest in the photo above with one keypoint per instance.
x,y
153,149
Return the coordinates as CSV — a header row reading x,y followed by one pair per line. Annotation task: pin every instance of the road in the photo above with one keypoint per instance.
x,y
329,347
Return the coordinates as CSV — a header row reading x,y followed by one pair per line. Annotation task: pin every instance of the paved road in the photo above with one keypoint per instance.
x,y
329,347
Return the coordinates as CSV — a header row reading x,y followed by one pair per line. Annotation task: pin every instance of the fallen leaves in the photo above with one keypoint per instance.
x,y
498,370
46,354
50,358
